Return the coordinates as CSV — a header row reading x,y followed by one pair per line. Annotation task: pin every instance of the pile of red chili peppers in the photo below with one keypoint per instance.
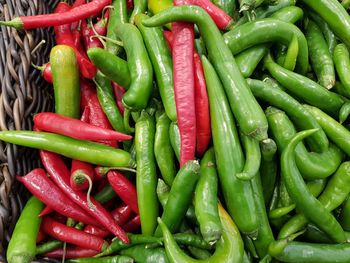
x,y
190,131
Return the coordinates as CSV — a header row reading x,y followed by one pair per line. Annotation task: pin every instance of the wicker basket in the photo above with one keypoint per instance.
x,y
23,93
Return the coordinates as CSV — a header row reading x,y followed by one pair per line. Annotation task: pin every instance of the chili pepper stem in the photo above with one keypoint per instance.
x,y
118,43
80,177
15,23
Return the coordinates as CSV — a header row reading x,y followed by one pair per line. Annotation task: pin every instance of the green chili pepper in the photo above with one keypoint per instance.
x,y
108,103
281,211
48,246
265,235
344,217
253,158
22,245
332,196
304,88
106,194
334,15
291,55
146,176
321,58
264,31
199,253
326,31
118,245
334,130
157,6
303,120
342,65
206,201
163,191
238,194
140,6
162,64
140,89
308,204
242,102
117,15
248,59
65,73
200,47
268,169
228,249
143,254
229,6
162,148
113,259
344,112
174,135
309,252
86,151
180,196
110,65
314,234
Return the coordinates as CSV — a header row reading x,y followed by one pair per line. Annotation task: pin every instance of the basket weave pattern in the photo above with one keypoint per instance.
x,y
23,93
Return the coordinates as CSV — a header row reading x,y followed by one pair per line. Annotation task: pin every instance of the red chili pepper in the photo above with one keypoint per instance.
x,y
64,36
169,38
124,189
46,211
88,37
182,53
72,252
221,19
46,191
133,225
53,122
41,236
60,175
78,3
79,173
72,235
80,170
90,9
97,116
101,26
202,107
121,215
119,93
130,4
47,73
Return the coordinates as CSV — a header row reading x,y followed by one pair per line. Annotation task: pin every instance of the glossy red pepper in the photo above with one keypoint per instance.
x,y
64,36
182,53
121,215
125,189
89,38
46,211
56,123
81,170
72,252
202,107
133,225
72,235
40,185
97,116
41,236
90,9
60,174
119,93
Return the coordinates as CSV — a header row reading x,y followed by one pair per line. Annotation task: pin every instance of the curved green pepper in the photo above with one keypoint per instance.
x,y
228,249
22,245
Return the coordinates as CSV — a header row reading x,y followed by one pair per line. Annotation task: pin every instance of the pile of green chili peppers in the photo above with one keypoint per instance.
x,y
274,182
